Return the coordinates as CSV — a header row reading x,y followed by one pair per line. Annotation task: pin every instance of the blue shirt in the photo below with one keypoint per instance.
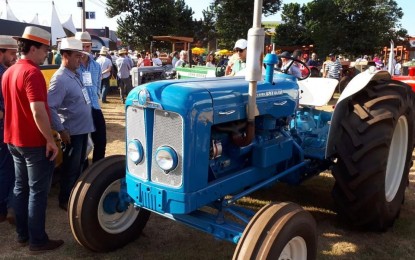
x,y
68,106
93,91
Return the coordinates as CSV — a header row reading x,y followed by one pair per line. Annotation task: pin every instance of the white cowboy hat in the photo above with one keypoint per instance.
x,y
8,42
84,37
103,51
72,44
35,34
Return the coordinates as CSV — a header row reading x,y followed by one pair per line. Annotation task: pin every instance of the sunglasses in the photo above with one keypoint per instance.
x,y
239,50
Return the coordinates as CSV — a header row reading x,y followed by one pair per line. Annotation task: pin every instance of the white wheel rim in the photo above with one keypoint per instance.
x,y
295,249
117,222
396,159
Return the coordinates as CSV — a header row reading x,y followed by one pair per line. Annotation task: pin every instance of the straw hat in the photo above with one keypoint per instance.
x,y
84,37
8,43
103,51
35,34
72,44
122,51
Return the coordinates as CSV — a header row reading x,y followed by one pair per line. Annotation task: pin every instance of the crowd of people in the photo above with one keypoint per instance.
x,y
70,106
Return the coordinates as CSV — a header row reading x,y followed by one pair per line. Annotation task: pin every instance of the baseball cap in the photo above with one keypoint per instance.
x,y
241,44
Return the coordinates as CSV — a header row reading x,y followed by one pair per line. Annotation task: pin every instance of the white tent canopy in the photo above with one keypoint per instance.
x,y
57,30
69,25
35,20
9,15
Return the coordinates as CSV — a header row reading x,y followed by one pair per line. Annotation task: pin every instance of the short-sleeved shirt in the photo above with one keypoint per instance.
x,y
22,84
124,67
68,103
105,63
333,69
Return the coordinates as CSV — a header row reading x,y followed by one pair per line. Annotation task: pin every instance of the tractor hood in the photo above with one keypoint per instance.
x,y
225,97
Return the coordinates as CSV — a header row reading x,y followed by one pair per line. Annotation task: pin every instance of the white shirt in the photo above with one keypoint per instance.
x,y
105,64
157,62
397,70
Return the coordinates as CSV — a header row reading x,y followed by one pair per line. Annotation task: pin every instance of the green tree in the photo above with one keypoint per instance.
x,y
139,20
292,32
235,17
352,27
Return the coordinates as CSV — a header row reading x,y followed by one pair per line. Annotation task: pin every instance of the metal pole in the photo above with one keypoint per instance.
x,y
83,16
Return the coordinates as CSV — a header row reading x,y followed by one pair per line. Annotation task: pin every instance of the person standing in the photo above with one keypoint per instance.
x,y
288,65
90,72
106,67
8,56
210,61
333,68
182,61
71,114
32,146
124,67
238,63
156,60
175,58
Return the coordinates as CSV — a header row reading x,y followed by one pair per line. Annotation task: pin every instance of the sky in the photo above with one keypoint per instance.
x,y
27,10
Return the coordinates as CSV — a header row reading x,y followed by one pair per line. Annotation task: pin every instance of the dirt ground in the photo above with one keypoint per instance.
x,y
165,239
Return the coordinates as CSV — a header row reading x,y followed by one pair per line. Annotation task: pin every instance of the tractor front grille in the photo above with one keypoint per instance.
x,y
163,128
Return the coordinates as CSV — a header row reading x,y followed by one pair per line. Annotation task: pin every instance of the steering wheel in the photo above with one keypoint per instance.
x,y
304,74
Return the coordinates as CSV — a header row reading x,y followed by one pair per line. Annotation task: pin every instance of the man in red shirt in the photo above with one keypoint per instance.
x,y
28,133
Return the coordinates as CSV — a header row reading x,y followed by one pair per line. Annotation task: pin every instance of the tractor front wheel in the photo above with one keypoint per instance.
x,y
279,231
100,215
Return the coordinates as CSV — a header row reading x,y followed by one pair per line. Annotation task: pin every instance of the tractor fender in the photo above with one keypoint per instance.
x,y
358,83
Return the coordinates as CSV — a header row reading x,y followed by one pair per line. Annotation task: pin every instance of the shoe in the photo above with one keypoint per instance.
x,y
63,206
22,242
104,101
49,246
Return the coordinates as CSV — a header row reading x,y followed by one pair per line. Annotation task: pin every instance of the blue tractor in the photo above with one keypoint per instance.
x,y
195,147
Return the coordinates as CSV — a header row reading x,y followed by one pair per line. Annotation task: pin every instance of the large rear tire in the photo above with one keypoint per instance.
x,y
96,221
374,155
279,231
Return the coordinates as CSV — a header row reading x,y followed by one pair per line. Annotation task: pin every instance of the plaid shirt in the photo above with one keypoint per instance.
x,y
94,92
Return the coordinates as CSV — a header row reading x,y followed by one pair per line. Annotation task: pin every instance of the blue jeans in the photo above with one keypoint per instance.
x,y
73,159
105,87
33,179
6,179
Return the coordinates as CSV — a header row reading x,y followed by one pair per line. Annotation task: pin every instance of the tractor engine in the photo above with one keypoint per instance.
x,y
182,140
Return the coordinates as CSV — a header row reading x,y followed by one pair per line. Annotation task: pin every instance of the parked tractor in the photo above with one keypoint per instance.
x,y
195,147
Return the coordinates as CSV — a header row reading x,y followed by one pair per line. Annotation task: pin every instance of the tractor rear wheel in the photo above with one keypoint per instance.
x,y
374,155
99,219
279,231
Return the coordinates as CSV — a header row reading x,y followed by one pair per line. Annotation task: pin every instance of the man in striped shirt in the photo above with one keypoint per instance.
x,y
333,68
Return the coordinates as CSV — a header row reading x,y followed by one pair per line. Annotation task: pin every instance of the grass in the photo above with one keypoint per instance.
x,y
166,239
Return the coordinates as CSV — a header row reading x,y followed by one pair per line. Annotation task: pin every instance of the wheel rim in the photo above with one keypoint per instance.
x,y
296,249
396,159
117,222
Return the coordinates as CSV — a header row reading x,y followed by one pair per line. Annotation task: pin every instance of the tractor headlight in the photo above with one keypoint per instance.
x,y
166,158
135,151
